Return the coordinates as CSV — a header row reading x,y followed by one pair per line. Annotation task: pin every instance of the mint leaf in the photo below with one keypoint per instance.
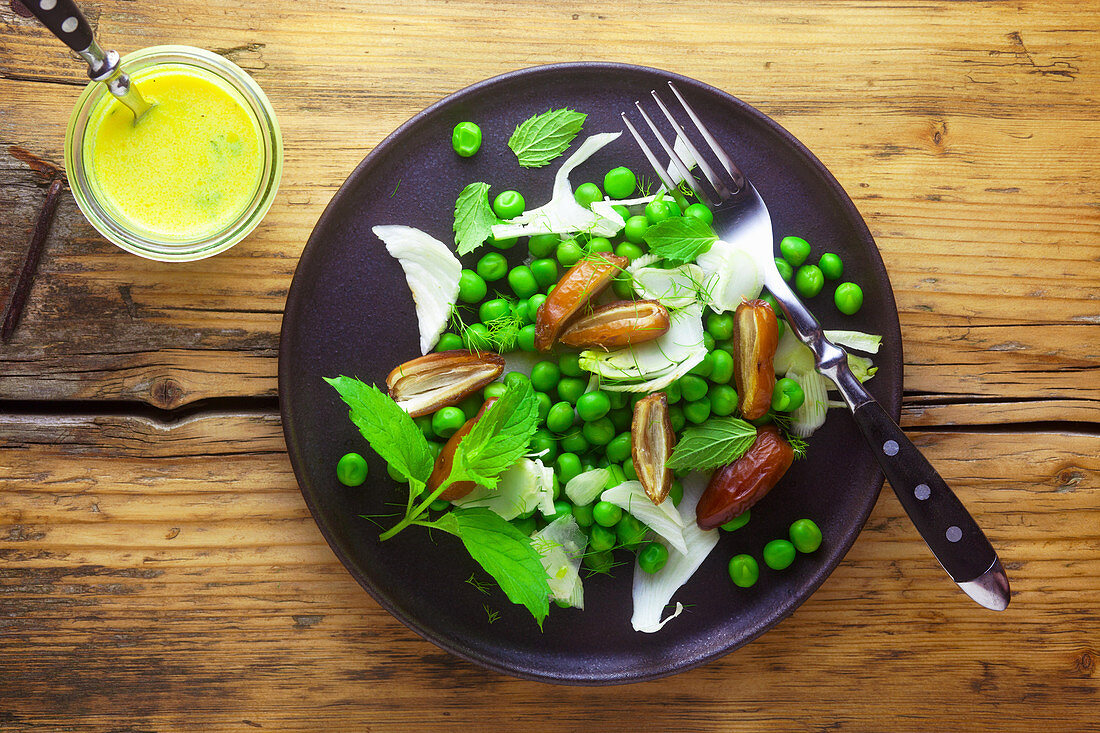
x,y
474,217
500,437
505,553
680,238
389,430
716,442
540,139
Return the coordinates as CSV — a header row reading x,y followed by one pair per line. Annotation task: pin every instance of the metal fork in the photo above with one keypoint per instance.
x,y
740,216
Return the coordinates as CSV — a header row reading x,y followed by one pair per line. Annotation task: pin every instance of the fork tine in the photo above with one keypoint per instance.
x,y
676,161
723,157
657,167
708,172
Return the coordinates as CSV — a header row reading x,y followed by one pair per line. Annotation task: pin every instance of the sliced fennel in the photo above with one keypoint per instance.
x,y
730,275
793,355
523,487
858,340
811,414
661,518
562,214
677,287
862,367
585,487
561,546
655,364
654,591
431,271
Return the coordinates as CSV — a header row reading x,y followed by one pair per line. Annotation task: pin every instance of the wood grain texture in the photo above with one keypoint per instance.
x,y
159,570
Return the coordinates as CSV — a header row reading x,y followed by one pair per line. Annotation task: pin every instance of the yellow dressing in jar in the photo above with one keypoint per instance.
x,y
189,167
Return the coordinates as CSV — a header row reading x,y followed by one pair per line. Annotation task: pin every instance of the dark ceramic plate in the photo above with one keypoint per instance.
x,y
350,312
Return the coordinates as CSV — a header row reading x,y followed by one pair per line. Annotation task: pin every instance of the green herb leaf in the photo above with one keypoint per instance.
x,y
542,138
680,238
474,217
499,438
716,442
505,553
389,430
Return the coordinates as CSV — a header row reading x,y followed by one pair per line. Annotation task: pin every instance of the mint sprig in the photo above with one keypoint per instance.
x,y
474,217
499,438
539,139
716,442
680,238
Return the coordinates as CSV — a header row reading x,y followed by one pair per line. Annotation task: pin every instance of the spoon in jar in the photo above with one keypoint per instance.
x,y
65,21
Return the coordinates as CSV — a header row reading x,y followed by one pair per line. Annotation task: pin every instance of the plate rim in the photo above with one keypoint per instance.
x,y
892,402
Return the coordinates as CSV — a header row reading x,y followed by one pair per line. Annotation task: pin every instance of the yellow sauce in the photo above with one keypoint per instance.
x,y
191,164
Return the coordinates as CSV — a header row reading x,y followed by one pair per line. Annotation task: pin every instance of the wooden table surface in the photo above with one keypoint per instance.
x,y
159,569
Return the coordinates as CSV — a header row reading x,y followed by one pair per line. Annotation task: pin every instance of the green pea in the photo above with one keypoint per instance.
x,y
606,514
658,210
492,266
808,280
618,450
541,441
449,342
805,535
628,470
785,270
351,469
599,562
621,419
672,393
720,325
723,400
545,403
493,309
635,229
466,139
692,387
582,513
593,406
587,193
570,389
506,243
848,298
522,281
832,267
630,531
619,400
494,391
476,337
620,182
545,376
599,244
567,467
705,367
575,442
766,419
722,372
545,272
787,395
615,476
795,250
621,211
628,250
516,379
508,204
601,539
779,554
676,492
599,432
698,411
744,571
424,423
738,522
533,304
526,338
560,417
772,303
395,474
525,525
569,253
676,418
447,421
570,365
471,287
623,285
543,245
652,557
471,405
701,212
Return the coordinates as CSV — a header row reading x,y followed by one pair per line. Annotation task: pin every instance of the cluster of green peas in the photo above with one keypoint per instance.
x,y
805,537
809,279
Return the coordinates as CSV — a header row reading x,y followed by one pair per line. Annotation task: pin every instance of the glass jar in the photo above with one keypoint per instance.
x,y
130,235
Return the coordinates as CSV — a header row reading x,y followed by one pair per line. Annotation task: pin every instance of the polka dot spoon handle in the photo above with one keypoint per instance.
x,y
944,523
66,22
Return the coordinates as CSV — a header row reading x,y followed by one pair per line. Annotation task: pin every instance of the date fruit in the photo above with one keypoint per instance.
x,y
755,338
576,288
445,460
426,384
618,324
652,440
737,486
